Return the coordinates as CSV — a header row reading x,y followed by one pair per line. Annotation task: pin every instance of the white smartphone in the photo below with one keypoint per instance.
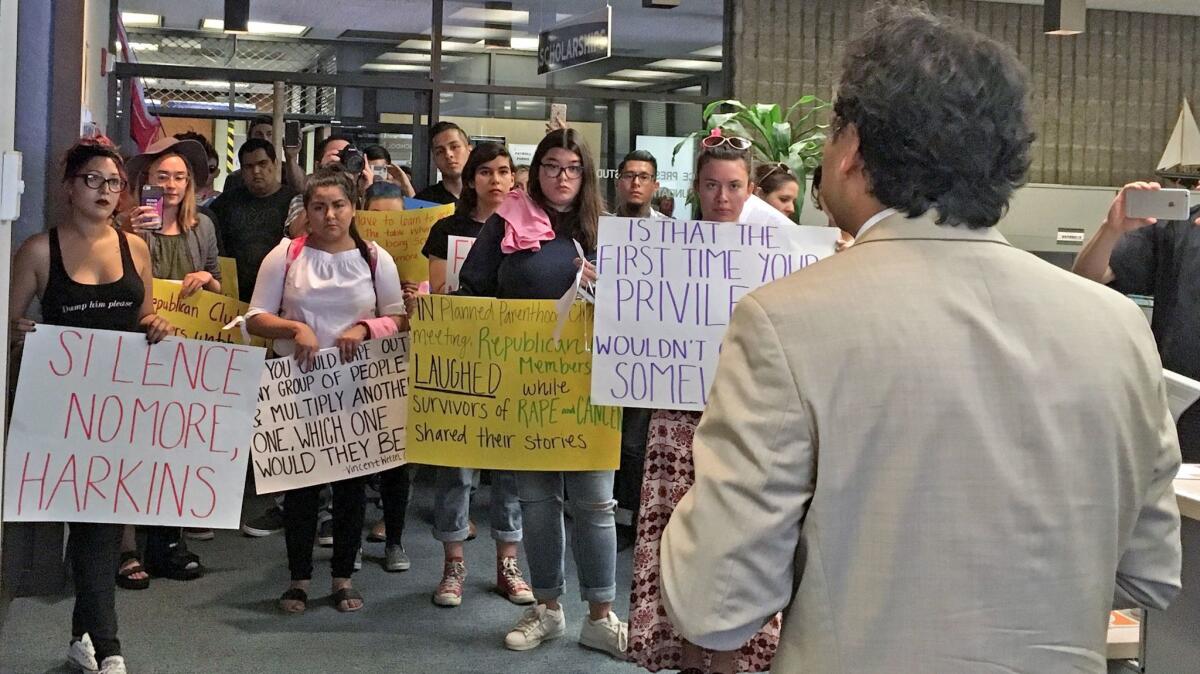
x,y
1170,204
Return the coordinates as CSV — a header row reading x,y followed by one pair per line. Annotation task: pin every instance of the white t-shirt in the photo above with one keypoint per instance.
x,y
328,292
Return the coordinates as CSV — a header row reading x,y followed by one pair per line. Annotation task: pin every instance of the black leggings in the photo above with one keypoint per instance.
x,y
300,526
393,487
94,551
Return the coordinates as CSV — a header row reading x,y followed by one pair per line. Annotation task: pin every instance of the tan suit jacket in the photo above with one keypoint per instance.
x,y
935,453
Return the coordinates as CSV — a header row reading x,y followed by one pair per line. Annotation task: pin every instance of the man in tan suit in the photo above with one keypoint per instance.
x,y
933,451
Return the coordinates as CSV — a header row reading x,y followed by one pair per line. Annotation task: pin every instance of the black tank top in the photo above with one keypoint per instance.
x,y
103,306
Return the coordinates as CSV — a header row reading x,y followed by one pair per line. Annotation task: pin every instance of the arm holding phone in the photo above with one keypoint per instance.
x,y
1093,260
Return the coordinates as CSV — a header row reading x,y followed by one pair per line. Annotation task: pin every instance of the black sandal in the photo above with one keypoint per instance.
x,y
125,573
346,594
294,594
179,565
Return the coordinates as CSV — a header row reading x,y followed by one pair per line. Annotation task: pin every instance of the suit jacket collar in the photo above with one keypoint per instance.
x,y
924,227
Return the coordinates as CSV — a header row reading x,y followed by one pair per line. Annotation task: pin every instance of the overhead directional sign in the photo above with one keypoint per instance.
x,y
578,40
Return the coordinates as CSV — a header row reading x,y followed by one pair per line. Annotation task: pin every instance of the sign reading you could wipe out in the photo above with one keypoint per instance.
x,y
491,388
576,41
107,428
666,291
333,420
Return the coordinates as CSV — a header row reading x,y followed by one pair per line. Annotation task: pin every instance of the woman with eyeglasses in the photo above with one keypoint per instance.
x,y
723,185
89,274
775,184
183,247
527,251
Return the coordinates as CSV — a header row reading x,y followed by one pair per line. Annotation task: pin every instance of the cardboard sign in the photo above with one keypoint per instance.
x,y
457,247
107,428
203,315
334,420
666,291
229,277
491,388
403,234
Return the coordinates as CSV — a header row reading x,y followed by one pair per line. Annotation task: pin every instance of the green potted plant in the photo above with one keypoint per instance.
x,y
795,137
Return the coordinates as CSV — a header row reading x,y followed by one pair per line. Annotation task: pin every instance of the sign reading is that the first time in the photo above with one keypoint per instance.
x,y
107,428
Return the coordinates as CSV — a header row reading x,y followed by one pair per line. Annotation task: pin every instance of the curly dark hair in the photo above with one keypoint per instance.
x,y
941,114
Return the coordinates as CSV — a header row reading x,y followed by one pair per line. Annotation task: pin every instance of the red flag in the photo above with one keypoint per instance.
x,y
144,127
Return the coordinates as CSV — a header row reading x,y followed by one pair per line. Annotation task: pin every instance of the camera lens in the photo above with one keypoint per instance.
x,y
352,160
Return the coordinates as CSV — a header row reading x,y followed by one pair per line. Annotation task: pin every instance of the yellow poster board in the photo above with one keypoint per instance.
x,y
403,234
203,315
490,388
229,277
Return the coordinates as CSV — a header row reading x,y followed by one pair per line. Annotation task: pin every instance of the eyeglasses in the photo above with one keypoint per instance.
x,y
95,180
573,171
630,177
212,168
734,142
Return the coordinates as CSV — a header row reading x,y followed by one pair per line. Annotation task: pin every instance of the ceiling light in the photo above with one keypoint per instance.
x,y
143,46
491,15
132,19
648,74
404,57
395,67
524,43
1064,17
694,89
447,45
610,83
688,64
259,27
714,52
475,33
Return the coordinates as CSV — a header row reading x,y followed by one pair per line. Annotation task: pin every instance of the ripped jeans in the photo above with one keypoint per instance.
x,y
595,536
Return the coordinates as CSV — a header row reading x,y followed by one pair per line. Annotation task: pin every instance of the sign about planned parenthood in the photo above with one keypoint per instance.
x,y
330,420
492,388
108,428
666,291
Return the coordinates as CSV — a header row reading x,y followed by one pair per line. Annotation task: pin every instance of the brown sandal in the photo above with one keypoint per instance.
x,y
294,594
344,595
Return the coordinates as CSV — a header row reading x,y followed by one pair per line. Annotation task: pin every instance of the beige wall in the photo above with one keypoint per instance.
x,y
94,93
1105,101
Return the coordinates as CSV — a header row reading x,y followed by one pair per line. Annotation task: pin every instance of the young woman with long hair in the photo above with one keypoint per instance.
x,y
487,179
87,273
330,289
527,251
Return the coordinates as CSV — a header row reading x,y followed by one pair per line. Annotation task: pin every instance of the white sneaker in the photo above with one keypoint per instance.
x,y
607,634
113,664
81,656
537,625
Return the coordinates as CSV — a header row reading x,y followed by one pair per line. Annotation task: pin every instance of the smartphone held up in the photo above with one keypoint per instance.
x,y
152,196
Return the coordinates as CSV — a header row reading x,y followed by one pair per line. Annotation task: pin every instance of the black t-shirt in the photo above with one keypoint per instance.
x,y
248,227
544,274
1163,261
438,243
437,193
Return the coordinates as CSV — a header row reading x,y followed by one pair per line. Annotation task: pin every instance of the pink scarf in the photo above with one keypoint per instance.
x,y
526,225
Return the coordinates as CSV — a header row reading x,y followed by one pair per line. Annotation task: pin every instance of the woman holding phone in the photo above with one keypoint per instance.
x,y
329,288
89,274
183,247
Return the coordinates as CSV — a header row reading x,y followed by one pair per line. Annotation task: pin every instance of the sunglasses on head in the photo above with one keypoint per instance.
x,y
734,142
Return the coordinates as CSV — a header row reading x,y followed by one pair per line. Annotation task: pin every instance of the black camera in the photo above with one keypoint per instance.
x,y
352,160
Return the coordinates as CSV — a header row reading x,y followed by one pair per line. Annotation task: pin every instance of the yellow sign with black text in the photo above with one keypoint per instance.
x,y
403,235
203,315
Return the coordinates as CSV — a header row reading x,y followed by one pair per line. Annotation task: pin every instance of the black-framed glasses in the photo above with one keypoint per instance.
x,y
735,142
573,171
95,180
630,176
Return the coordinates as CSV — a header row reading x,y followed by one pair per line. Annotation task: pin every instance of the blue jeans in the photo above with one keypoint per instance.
x,y
595,535
452,505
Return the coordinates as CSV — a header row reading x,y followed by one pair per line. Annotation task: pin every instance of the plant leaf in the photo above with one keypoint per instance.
x,y
712,107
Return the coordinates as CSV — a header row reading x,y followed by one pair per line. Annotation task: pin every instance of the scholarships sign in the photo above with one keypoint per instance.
x,y
666,291
403,235
107,428
576,41
333,420
491,388
203,315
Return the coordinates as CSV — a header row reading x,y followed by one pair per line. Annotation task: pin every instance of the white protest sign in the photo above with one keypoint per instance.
x,y
666,291
107,428
457,248
333,420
